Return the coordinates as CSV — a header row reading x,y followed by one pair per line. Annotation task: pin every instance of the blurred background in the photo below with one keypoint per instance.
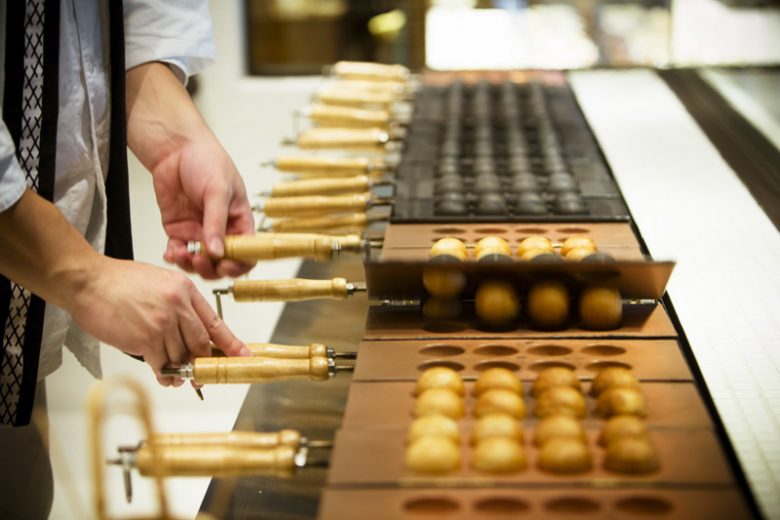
x,y
300,36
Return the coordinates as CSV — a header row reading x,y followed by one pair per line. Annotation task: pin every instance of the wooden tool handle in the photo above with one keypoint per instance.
x,y
332,115
354,98
274,350
217,461
289,290
322,186
256,440
370,71
350,138
315,205
333,165
270,246
353,222
225,370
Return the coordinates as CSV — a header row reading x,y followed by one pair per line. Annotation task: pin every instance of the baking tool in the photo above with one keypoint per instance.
x,y
337,224
368,71
376,140
329,166
322,186
318,205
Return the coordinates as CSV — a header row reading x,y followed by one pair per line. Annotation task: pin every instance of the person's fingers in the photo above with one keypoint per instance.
x,y
205,267
196,339
216,201
165,380
232,269
157,359
176,253
219,333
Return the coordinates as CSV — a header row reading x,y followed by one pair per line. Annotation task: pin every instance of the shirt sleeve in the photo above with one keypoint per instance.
x,y
176,32
13,181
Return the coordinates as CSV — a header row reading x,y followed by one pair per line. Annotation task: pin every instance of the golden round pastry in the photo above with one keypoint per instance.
x,y
439,401
560,400
433,454
534,243
492,246
433,425
499,455
578,253
499,400
442,281
620,401
529,255
548,304
496,302
557,427
496,425
564,455
613,377
497,377
450,246
620,426
601,308
577,242
442,308
440,377
631,455
555,376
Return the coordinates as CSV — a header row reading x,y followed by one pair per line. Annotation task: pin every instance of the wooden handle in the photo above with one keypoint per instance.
x,y
322,186
355,98
350,138
329,223
331,115
231,370
274,350
217,461
289,290
370,71
270,246
315,164
236,439
394,88
315,205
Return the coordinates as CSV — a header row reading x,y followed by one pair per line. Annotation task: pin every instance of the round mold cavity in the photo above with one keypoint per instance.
x,y
442,350
541,365
601,365
444,327
603,350
434,240
550,350
501,506
431,506
573,230
531,231
457,367
449,231
573,505
485,365
495,350
646,505
492,231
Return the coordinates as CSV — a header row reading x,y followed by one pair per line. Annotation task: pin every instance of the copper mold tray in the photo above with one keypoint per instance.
x,y
605,235
370,458
422,254
650,360
394,323
396,280
719,503
382,405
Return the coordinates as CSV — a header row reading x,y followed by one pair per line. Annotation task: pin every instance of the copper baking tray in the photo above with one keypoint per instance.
x,y
402,280
389,404
718,503
423,253
395,323
369,458
605,235
650,360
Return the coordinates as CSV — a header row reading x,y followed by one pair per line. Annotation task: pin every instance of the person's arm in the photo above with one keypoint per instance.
x,y
200,193
138,308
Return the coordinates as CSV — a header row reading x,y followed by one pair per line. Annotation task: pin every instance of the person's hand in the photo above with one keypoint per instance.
x,y
151,312
202,197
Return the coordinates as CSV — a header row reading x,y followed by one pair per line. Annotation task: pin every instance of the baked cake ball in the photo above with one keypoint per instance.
x,y
620,426
450,246
565,455
498,400
560,400
600,308
439,401
433,454
631,455
497,377
577,242
499,455
496,303
558,426
548,304
534,243
620,401
496,425
433,425
440,377
613,377
555,376
492,246
442,308
442,281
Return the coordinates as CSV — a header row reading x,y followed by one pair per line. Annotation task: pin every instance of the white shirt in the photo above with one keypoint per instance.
x,y
177,32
